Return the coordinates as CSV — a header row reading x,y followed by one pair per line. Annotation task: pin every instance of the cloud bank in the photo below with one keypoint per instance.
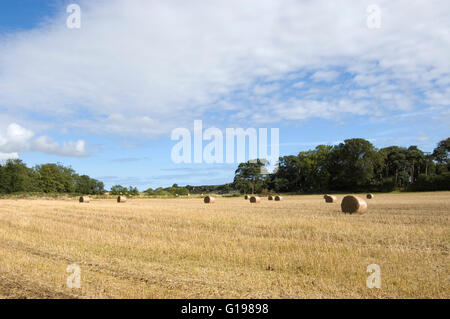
x,y
142,68
17,139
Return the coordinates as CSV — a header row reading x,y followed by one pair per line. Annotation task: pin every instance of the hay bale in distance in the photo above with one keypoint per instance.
x,y
278,198
246,197
369,196
209,200
85,199
353,205
121,199
255,199
330,199
270,197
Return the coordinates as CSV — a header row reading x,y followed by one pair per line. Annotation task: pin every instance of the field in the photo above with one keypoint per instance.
x,y
181,248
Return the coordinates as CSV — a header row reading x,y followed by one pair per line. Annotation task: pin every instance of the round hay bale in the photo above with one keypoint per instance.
x,y
121,199
270,197
209,200
330,199
369,196
85,199
255,199
278,198
353,204
246,197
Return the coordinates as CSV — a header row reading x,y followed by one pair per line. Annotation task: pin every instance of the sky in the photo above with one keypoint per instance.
x,y
106,97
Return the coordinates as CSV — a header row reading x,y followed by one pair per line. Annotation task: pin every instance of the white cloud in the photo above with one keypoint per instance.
x,y
265,89
7,156
141,68
17,139
325,76
299,85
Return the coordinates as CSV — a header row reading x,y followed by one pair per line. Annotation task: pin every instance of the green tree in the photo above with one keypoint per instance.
x,y
416,159
176,190
133,191
288,175
249,176
15,176
396,164
86,185
118,190
440,154
55,178
354,165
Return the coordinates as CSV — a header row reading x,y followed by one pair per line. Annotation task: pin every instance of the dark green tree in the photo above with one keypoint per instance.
x,y
118,190
354,165
250,176
416,159
86,185
15,177
396,164
440,154
133,191
55,178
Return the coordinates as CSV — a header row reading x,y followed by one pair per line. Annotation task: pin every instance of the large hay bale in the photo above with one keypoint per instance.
x,y
209,200
330,199
121,199
85,199
255,199
369,196
278,198
353,204
270,197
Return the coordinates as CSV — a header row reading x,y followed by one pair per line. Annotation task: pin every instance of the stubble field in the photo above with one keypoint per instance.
x,y
300,247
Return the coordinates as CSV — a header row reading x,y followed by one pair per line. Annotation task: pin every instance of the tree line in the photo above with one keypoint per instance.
x,y
16,177
352,166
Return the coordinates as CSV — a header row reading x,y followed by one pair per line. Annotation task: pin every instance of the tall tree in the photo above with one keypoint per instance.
x,y
288,175
250,176
15,176
354,165
86,185
396,164
55,178
416,160
440,154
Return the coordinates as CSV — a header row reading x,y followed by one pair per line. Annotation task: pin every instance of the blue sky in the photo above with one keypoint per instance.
x,y
105,98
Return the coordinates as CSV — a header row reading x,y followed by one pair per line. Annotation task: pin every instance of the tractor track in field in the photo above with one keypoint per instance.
x,y
17,287
105,269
